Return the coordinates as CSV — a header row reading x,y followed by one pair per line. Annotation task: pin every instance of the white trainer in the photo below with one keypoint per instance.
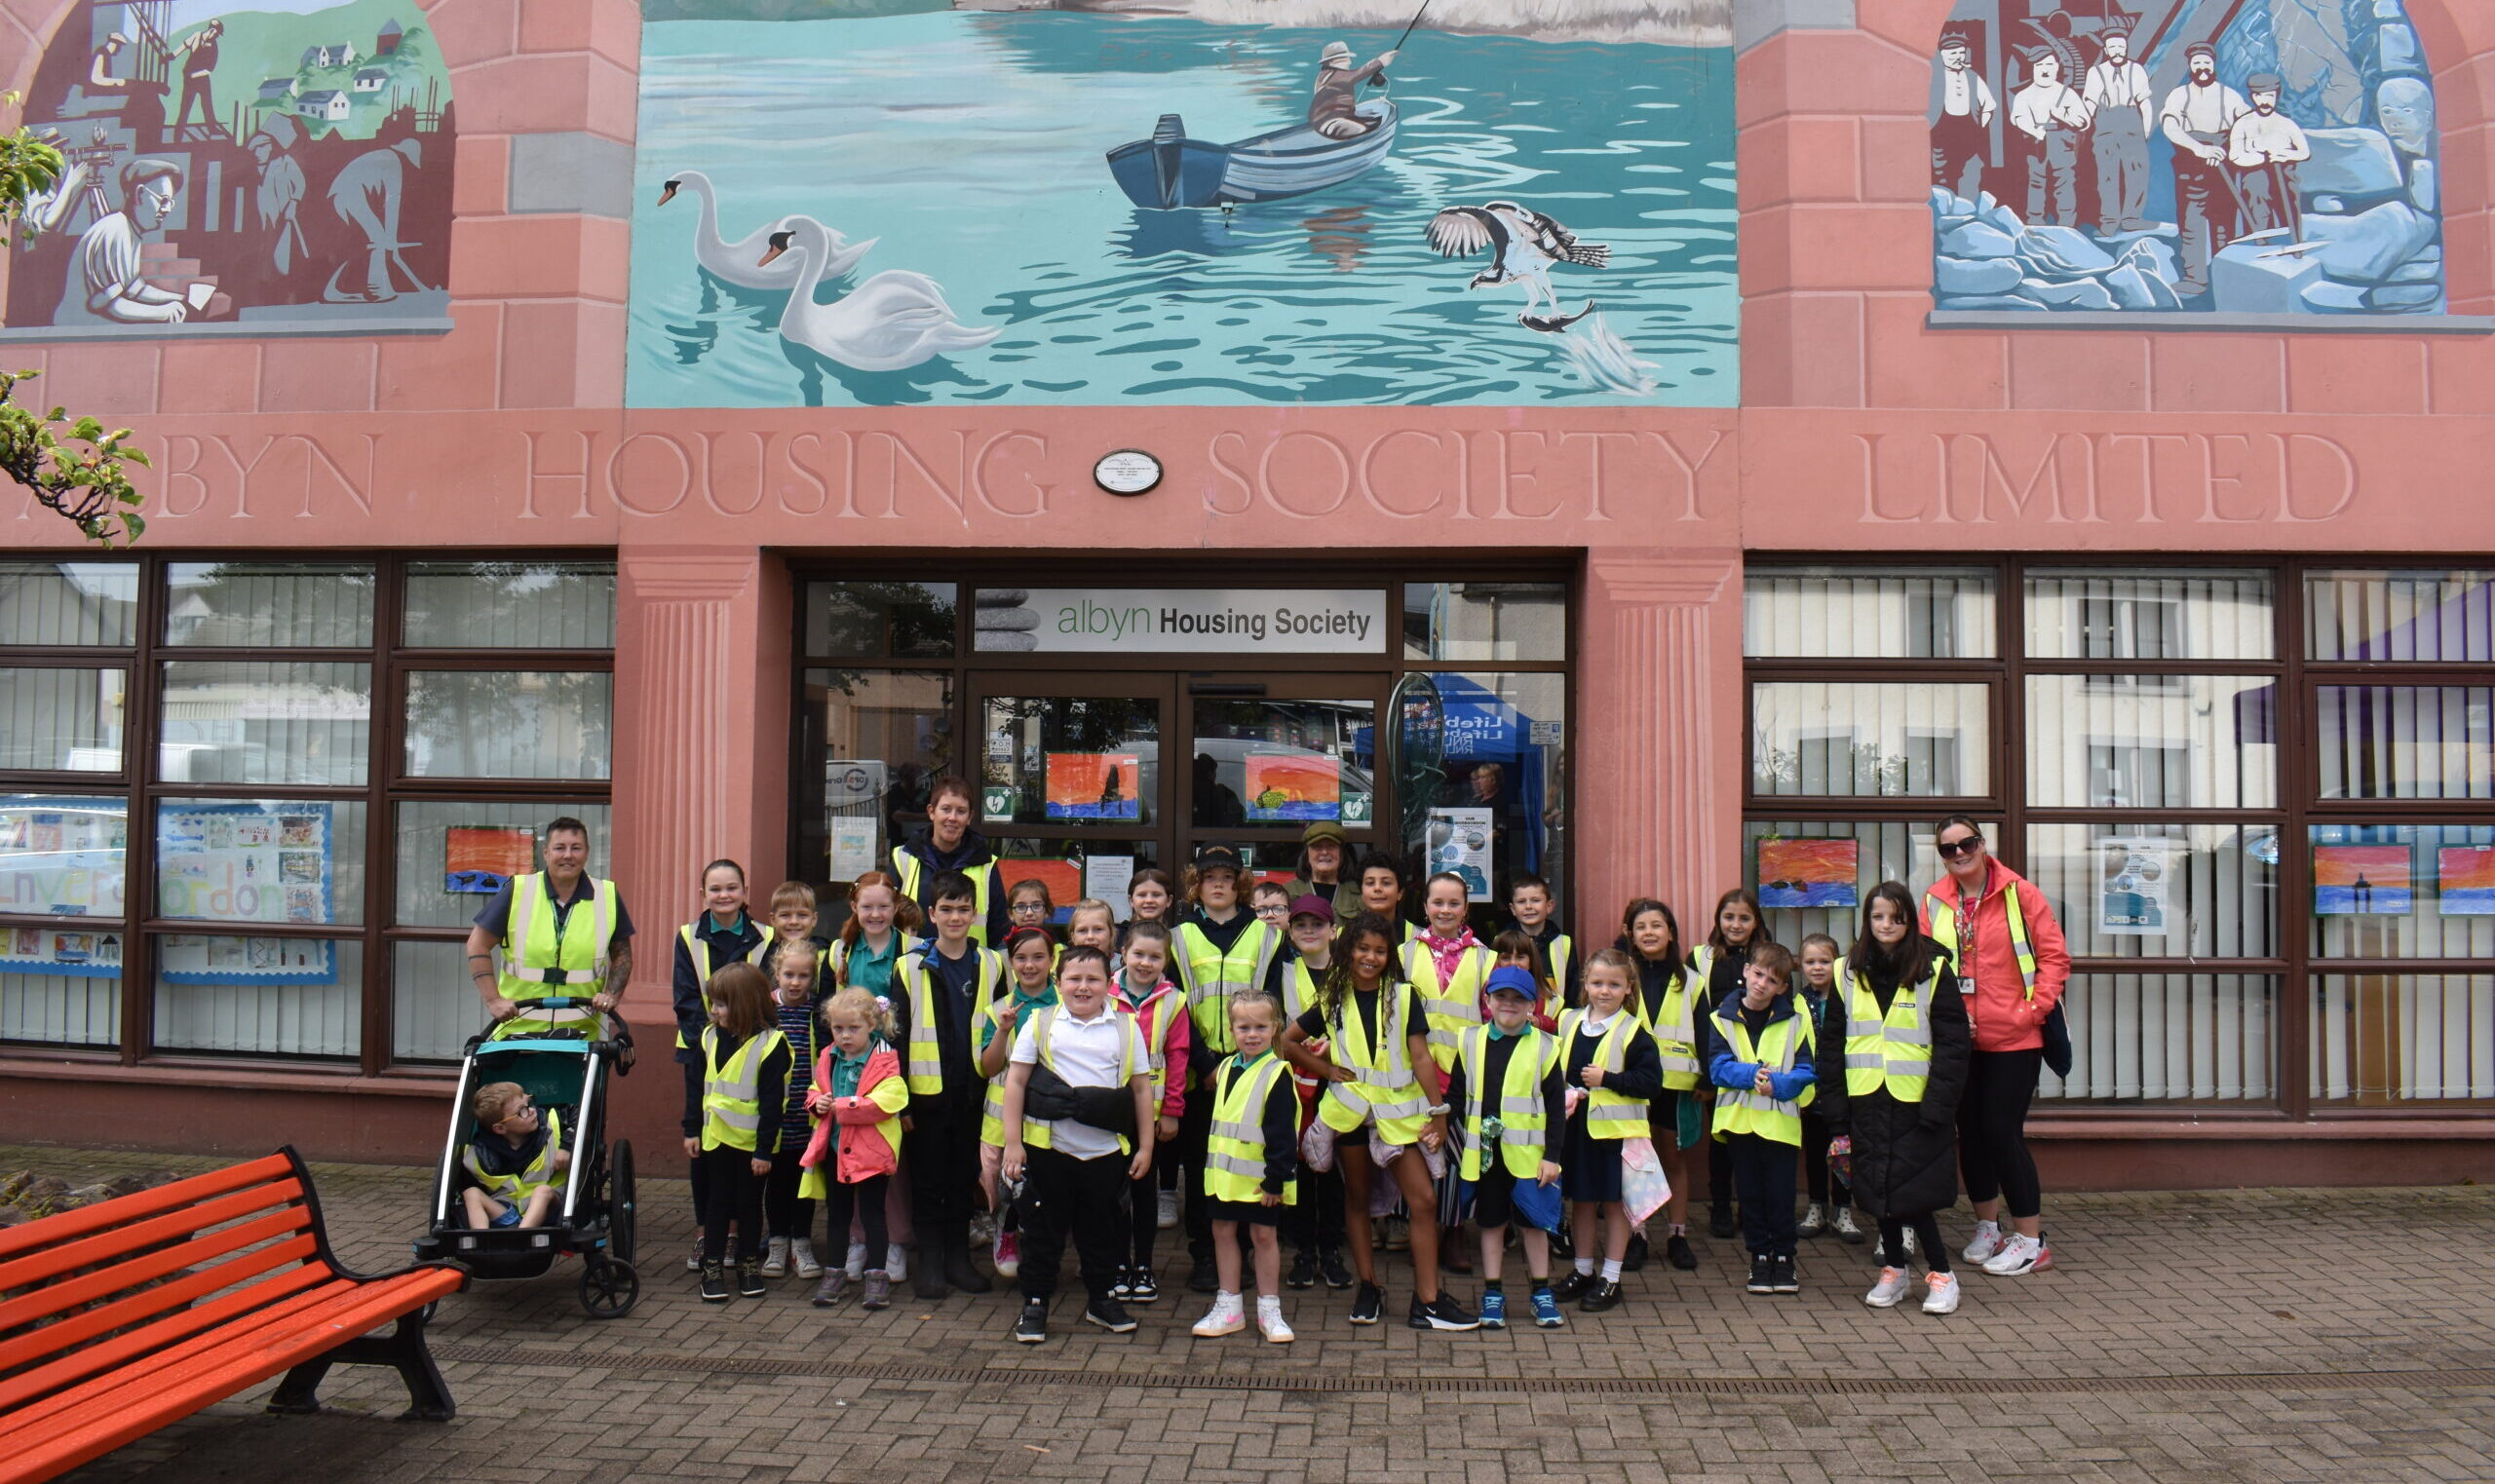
x,y
774,1257
801,1256
1940,1293
1168,1215
895,1260
1987,1243
857,1263
2016,1256
1269,1322
1227,1316
1891,1290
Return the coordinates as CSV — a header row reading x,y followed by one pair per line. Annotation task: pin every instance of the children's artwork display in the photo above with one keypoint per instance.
x,y
2363,881
198,958
75,952
1095,785
1809,873
62,856
1293,786
243,863
478,859
2465,880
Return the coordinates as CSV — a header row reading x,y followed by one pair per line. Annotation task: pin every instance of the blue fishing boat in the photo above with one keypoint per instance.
x,y
1169,171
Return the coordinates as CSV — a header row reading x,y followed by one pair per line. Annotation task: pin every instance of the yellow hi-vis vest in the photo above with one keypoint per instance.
x,y
514,1190
922,1060
1210,976
1041,1133
1452,1008
991,1103
731,1095
1235,1151
1745,1109
1525,1134
1609,1115
699,947
1384,1085
1944,931
1891,1052
1556,958
1675,1030
536,960
911,870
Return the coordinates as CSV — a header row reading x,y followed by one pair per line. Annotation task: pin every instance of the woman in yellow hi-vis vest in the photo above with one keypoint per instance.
x,y
1760,1058
555,932
1892,1066
947,843
735,1098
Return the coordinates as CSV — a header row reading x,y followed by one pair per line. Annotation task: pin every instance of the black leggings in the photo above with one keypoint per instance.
x,y
786,1213
1992,1130
1927,1232
864,1202
1143,1209
1826,1189
733,1194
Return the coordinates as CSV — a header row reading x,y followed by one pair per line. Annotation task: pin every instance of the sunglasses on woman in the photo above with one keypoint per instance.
x,y
1951,850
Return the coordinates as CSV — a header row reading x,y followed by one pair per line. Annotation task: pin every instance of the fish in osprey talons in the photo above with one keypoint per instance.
x,y
1523,244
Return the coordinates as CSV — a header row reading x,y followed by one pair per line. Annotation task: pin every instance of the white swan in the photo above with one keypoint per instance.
x,y
894,320
737,262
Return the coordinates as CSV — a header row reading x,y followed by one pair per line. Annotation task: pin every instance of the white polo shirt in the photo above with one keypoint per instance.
x,y
1088,1054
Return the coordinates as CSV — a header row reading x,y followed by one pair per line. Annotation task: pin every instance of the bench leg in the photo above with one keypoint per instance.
x,y
403,1349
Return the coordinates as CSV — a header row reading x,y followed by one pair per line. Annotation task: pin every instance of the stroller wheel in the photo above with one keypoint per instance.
x,y
609,1288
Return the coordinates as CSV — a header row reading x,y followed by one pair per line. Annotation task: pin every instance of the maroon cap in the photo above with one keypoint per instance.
x,y
1313,905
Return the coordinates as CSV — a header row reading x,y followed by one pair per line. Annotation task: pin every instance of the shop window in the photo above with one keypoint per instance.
x,y
510,605
1469,623
2152,742
63,720
2403,891
1893,740
1814,875
1491,805
265,605
1813,613
2169,1037
2082,613
266,721
879,621
2384,1040
881,737
259,996
71,604
2399,617
509,724
260,860
2133,889
2406,742
61,874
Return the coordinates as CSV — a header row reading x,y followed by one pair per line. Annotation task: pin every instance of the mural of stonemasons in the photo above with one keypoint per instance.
x,y
869,203
2227,156
240,168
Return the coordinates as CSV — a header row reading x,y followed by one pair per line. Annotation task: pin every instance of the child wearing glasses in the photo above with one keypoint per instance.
x,y
516,1160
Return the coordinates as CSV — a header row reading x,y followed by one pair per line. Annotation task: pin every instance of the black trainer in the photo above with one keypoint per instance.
x,y
1720,1224
1033,1326
1366,1302
1571,1284
1303,1271
714,1282
1677,1253
1442,1312
1203,1276
749,1282
1637,1250
1781,1277
1762,1273
1333,1270
1142,1287
1110,1314
1604,1294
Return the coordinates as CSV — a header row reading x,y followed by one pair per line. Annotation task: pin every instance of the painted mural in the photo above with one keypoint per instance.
x,y
240,168
1216,202
2230,157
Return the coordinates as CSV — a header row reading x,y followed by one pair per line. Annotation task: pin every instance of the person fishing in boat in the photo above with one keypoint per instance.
x,y
1333,106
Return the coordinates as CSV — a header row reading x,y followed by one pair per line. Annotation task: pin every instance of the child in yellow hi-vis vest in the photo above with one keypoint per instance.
x,y
1251,1161
1760,1053
735,1096
1506,1093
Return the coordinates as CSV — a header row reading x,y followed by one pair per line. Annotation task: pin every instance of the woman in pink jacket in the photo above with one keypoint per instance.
x,y
2012,967
857,1101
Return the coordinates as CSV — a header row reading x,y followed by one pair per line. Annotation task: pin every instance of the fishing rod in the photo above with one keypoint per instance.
x,y
1379,81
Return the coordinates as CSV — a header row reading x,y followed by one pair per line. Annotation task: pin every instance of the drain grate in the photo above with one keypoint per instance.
x,y
1328,1383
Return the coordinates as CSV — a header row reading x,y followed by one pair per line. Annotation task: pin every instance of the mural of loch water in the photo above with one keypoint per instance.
x,y
2226,157
1046,206
233,167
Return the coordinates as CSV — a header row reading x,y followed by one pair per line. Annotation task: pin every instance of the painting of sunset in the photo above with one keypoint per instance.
x,y
2466,873
1293,786
2363,881
1809,873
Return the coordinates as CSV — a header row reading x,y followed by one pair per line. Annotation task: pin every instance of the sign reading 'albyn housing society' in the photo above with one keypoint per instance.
x,y
1137,621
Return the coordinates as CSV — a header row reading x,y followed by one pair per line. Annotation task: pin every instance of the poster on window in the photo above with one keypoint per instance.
x,y
77,953
198,958
852,846
63,857
1459,842
2133,894
1095,785
1809,873
1062,878
1294,787
2363,881
476,859
2465,880
243,863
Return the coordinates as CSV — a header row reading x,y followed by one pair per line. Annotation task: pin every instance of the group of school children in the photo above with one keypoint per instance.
x,y
1292,1061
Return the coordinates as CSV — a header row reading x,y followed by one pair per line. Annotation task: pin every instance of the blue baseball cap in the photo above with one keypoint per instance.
x,y
1512,981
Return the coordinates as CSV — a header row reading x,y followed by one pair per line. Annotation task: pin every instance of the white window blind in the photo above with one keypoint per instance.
x,y
2389,1038
1824,613
2167,1038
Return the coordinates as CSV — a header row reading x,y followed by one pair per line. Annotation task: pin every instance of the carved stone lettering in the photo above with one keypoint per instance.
x,y
2115,477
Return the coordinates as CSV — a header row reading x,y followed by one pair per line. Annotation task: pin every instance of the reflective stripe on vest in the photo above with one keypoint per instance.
x,y
1675,1030
991,1102
911,870
1944,931
514,1190
1744,1110
537,960
1893,1050
1452,1008
699,948
1562,952
1609,1115
1210,976
1384,1086
923,1060
731,1095
1041,1133
1234,1148
1525,1134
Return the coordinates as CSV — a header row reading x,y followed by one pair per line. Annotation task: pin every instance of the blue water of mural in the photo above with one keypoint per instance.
x,y
971,147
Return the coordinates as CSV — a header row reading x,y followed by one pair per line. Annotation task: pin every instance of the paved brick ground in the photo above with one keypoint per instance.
x,y
2255,1336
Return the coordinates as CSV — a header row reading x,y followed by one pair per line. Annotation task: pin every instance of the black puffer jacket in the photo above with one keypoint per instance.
x,y
1905,1154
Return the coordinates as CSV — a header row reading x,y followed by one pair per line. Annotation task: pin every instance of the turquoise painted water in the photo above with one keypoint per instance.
x,y
972,146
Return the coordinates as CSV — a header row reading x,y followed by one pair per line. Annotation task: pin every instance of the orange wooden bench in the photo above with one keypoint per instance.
x,y
122,1317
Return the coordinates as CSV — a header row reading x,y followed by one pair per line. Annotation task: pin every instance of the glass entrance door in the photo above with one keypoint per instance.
x,y
1072,787
1270,754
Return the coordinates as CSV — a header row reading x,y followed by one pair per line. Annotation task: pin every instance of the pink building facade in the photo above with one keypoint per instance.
x,y
2193,614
